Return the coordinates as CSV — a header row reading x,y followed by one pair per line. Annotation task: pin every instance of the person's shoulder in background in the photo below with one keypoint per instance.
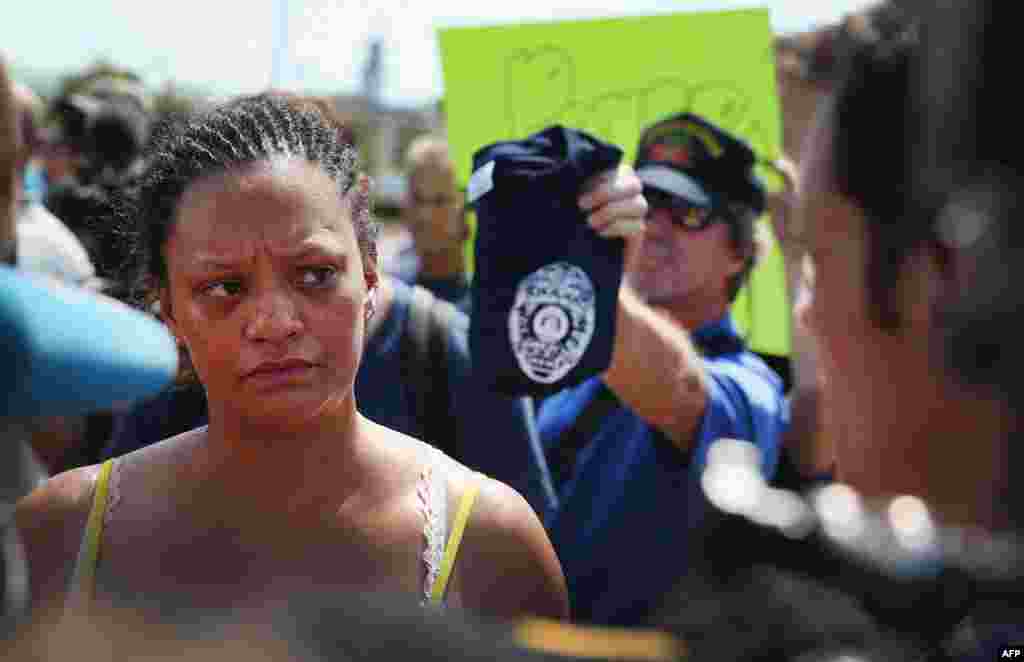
x,y
46,246
397,253
177,409
50,522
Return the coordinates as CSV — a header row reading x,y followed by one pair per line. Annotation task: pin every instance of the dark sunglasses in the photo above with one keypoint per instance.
x,y
684,214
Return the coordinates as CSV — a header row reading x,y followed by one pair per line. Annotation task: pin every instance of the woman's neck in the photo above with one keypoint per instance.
x,y
278,464
937,441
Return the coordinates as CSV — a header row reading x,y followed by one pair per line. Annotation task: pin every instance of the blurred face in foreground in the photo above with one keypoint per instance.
x,y
853,350
268,291
896,418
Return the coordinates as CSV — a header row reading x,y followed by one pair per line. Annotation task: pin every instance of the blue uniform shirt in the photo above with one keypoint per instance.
x,y
621,525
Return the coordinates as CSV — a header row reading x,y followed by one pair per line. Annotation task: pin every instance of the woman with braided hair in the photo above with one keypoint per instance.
x,y
258,243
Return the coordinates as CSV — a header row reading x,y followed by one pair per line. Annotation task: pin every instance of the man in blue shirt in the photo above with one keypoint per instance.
x,y
627,449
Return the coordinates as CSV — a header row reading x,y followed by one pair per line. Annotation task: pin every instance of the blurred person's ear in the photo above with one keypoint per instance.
x,y
782,202
925,279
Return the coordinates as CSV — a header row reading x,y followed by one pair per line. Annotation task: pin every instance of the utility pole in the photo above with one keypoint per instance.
x,y
279,50
373,74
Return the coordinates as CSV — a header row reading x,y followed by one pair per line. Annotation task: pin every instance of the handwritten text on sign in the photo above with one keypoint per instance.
x,y
610,78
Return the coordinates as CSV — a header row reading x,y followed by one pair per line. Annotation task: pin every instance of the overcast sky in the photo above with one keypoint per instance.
x,y
227,46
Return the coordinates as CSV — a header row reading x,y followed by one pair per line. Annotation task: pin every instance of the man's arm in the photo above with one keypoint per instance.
x,y
656,371
50,521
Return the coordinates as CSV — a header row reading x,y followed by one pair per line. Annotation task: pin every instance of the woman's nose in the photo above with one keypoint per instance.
x,y
274,318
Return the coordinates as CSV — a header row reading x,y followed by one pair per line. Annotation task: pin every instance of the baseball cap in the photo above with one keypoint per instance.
x,y
689,157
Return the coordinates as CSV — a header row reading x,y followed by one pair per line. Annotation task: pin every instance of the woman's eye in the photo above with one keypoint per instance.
x,y
223,288
318,276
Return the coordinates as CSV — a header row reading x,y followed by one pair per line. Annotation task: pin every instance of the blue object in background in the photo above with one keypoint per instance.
x,y
35,184
65,351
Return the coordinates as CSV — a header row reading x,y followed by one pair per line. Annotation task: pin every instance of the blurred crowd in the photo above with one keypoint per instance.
x,y
333,473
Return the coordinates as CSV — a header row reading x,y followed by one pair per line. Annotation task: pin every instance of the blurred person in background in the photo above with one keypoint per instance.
x,y
434,215
10,148
58,345
93,156
45,244
260,246
47,248
103,126
33,109
39,244
627,449
20,470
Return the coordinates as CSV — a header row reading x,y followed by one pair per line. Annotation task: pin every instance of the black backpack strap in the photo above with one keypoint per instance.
x,y
427,368
562,456
441,418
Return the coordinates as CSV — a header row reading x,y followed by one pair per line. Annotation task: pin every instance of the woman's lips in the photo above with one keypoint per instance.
x,y
280,372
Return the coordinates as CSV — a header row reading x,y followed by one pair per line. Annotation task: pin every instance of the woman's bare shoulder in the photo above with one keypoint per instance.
x,y
404,459
50,522
61,497
166,450
506,565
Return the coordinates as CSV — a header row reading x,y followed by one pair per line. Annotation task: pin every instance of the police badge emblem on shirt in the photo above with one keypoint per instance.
x,y
552,321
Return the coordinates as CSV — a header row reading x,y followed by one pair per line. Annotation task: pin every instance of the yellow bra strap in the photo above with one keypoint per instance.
x,y
451,550
94,529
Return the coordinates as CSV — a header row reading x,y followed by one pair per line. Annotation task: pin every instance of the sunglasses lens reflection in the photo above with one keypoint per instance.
x,y
684,214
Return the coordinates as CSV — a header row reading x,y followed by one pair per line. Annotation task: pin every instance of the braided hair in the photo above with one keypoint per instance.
x,y
241,132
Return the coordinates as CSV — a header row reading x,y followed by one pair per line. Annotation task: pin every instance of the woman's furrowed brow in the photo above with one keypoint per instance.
x,y
213,262
311,248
